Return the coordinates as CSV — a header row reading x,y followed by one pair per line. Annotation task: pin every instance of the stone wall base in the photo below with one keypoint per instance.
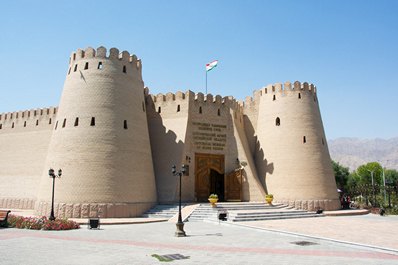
x,y
313,205
88,210
17,203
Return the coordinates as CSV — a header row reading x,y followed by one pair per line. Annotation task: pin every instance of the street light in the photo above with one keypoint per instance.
x,y
53,176
180,224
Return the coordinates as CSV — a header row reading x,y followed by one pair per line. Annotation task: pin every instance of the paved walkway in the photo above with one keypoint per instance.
x,y
371,229
210,243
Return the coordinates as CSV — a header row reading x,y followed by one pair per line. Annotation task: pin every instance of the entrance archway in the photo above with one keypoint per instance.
x,y
209,176
217,184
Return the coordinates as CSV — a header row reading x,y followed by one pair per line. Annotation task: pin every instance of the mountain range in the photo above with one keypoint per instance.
x,y
353,152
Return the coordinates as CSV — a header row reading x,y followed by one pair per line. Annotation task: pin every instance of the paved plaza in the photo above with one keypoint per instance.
x,y
209,243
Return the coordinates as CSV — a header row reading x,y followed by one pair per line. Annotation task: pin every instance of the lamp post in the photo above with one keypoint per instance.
x,y
180,224
53,176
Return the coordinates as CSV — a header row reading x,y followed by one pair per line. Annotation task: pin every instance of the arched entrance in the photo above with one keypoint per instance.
x,y
209,176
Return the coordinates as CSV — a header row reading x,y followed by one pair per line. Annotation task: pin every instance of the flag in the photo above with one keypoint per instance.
x,y
211,65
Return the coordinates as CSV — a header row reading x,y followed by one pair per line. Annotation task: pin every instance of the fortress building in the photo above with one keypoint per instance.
x,y
116,144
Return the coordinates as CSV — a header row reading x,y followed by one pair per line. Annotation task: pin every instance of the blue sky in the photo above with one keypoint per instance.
x,y
348,49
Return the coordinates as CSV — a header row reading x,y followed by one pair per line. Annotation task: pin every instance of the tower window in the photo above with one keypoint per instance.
x,y
1,126
304,140
143,106
69,70
277,121
200,110
86,66
12,126
299,95
56,125
178,108
124,69
77,121
64,123
314,98
49,121
92,123
37,122
218,112
99,66
125,124
159,110
75,69
24,124
274,97
323,142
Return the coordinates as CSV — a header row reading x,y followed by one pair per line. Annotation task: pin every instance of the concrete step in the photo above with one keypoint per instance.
x,y
276,217
240,212
162,211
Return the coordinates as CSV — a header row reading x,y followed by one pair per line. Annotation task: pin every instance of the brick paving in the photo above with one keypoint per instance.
x,y
210,243
371,229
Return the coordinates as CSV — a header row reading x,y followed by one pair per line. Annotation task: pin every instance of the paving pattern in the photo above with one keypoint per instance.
x,y
206,243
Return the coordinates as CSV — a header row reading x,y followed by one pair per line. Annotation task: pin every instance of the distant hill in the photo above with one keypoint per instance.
x,y
353,152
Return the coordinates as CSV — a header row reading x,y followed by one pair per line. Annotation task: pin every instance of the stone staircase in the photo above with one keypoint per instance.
x,y
164,211
248,211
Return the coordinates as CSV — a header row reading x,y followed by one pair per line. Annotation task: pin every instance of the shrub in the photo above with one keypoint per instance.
x,y
213,196
40,223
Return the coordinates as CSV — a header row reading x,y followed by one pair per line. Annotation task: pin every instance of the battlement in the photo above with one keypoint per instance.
x,y
285,88
199,98
101,53
26,114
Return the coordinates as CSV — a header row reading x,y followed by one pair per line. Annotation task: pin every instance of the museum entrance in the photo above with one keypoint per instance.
x,y
209,176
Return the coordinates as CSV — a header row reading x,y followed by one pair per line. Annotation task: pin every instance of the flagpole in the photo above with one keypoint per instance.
x,y
206,82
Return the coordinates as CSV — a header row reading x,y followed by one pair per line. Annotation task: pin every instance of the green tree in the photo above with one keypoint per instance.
x,y
341,174
391,176
368,171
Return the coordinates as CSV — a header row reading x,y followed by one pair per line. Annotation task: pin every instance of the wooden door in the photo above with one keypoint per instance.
x,y
233,191
204,163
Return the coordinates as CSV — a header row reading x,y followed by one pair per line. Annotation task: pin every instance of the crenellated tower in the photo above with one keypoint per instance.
x,y
100,140
290,147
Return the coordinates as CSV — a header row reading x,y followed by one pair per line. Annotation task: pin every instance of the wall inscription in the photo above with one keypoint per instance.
x,y
209,136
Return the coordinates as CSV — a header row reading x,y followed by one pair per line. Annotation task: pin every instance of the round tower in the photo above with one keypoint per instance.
x,y
100,140
292,153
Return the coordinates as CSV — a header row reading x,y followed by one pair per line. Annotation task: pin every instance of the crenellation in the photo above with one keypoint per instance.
x,y
209,98
133,59
101,52
190,95
288,86
170,97
297,85
217,99
278,87
180,95
160,97
114,53
200,97
124,56
139,65
89,52
79,54
305,86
